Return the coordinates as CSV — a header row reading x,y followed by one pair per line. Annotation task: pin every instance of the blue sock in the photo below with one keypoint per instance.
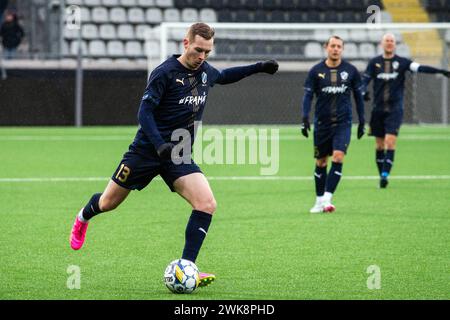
x,y
388,163
320,178
92,209
196,230
334,176
380,160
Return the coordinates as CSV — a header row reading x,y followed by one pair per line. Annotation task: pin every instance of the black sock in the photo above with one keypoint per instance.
x,y
92,208
388,163
196,230
334,176
320,178
380,160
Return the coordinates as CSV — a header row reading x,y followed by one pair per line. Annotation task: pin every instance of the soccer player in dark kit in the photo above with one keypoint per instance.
x,y
174,99
332,81
388,74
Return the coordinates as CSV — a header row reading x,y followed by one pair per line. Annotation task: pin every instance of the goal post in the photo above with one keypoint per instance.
x,y
297,46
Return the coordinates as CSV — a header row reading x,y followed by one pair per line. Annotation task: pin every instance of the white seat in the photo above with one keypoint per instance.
x,y
208,15
164,3
70,33
321,35
100,15
351,51
189,15
110,3
146,3
85,15
133,49
97,48
140,31
314,50
118,15
342,33
125,32
65,48
107,32
136,15
173,48
367,50
74,45
358,35
154,15
151,49
92,3
375,35
89,31
172,15
128,3
115,48
74,2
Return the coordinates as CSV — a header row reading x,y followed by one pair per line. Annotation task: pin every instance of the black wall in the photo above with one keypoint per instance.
x,y
46,97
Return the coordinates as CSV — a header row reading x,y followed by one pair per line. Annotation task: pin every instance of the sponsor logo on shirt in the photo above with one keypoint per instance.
x,y
387,76
335,89
322,75
193,100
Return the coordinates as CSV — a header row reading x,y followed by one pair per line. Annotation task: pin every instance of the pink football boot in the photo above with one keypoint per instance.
x,y
78,234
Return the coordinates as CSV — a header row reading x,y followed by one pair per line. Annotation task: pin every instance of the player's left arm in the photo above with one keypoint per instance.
x,y
234,74
358,87
416,67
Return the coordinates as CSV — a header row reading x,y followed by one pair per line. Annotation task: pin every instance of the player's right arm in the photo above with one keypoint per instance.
x,y
154,91
367,76
308,96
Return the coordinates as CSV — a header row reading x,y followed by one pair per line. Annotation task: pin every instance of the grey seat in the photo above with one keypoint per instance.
x,y
110,3
313,50
189,15
99,15
97,48
125,32
133,49
107,32
115,48
136,15
154,15
118,15
89,31
172,15
207,15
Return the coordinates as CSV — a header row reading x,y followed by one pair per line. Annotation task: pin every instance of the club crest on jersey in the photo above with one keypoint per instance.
x,y
344,75
204,77
395,65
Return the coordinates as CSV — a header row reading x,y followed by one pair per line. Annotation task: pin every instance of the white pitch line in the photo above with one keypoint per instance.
x,y
227,178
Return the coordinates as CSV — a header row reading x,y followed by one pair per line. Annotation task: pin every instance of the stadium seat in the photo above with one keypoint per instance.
x,y
107,32
208,15
358,35
151,49
146,3
89,31
164,3
375,35
133,49
141,31
172,15
128,3
97,48
270,4
115,48
331,16
251,4
200,4
189,15
403,50
296,50
224,15
136,15
70,33
295,16
243,16
350,51
99,15
278,16
74,45
85,15
343,33
313,16
110,3
125,32
314,50
154,15
118,15
367,51
322,35
65,48
234,4
74,2
92,3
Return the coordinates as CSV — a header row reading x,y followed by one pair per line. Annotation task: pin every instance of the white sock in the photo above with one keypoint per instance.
x,y
327,196
80,216
319,199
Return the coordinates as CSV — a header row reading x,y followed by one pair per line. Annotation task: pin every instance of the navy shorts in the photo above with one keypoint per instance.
x,y
135,171
385,122
330,138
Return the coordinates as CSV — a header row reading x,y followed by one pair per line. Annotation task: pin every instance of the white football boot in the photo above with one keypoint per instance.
x,y
326,202
318,206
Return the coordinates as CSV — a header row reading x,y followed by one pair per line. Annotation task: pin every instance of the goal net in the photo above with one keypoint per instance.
x,y
298,47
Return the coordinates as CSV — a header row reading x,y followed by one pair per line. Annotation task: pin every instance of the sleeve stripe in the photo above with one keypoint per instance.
x,y
414,66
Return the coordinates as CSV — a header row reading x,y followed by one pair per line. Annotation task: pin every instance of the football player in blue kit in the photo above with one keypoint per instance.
x,y
332,81
174,99
388,74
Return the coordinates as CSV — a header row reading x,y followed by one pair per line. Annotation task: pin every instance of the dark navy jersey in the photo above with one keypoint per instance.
x,y
333,88
175,98
178,95
388,77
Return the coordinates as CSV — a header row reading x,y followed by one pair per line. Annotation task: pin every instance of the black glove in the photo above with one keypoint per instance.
x,y
361,130
366,96
270,66
305,127
446,73
165,151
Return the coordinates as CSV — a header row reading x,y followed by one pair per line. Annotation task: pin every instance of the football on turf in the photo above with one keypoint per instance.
x,y
181,276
